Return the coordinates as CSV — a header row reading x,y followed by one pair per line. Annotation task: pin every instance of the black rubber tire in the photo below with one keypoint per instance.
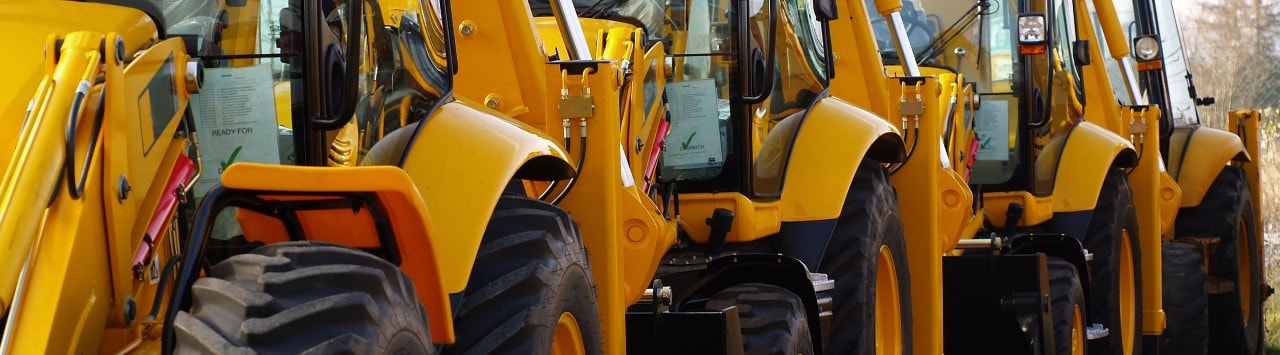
x,y
1113,214
773,319
868,220
531,268
1065,294
304,297
1185,297
1227,204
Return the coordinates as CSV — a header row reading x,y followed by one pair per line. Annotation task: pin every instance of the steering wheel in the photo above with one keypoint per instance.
x,y
918,31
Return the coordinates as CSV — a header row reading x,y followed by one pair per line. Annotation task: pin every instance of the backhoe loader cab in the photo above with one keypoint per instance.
x,y
762,68
979,41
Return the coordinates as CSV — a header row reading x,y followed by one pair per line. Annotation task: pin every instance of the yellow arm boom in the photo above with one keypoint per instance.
x,y
35,168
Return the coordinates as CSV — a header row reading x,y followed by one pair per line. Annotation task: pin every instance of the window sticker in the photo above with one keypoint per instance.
x,y
694,141
235,116
993,130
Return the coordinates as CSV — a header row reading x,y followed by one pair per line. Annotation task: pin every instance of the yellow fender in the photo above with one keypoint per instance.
x,y
832,140
461,160
1206,152
1089,152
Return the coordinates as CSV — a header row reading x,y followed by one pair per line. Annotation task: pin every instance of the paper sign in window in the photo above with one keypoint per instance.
x,y
993,130
694,141
235,117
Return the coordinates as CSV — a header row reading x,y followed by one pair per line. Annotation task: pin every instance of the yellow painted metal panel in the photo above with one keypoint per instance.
x,y
461,161
127,157
955,209
919,186
502,59
1208,151
884,7
67,292
1144,182
1102,108
833,128
752,220
1089,152
1170,199
859,77
1244,123
35,166
24,60
1037,209
1117,41
620,224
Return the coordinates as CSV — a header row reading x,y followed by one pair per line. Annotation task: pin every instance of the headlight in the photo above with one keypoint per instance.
x,y
1031,29
1032,34
1146,48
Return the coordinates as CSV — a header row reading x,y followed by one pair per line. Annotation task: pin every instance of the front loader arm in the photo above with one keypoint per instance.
x,y
35,168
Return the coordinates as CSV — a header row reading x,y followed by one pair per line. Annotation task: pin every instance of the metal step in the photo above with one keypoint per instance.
x,y
1097,331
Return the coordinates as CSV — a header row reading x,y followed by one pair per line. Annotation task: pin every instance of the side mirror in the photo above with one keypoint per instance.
x,y
1080,52
1032,34
826,10
333,67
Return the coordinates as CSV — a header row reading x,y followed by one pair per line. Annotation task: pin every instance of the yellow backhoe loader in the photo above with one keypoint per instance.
x,y
1212,288
748,183
729,289
1056,176
108,252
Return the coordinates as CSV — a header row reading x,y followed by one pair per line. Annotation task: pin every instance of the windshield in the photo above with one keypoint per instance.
x,y
719,134
966,37
255,70
648,14
921,28
974,39
1182,106
1124,10
254,93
